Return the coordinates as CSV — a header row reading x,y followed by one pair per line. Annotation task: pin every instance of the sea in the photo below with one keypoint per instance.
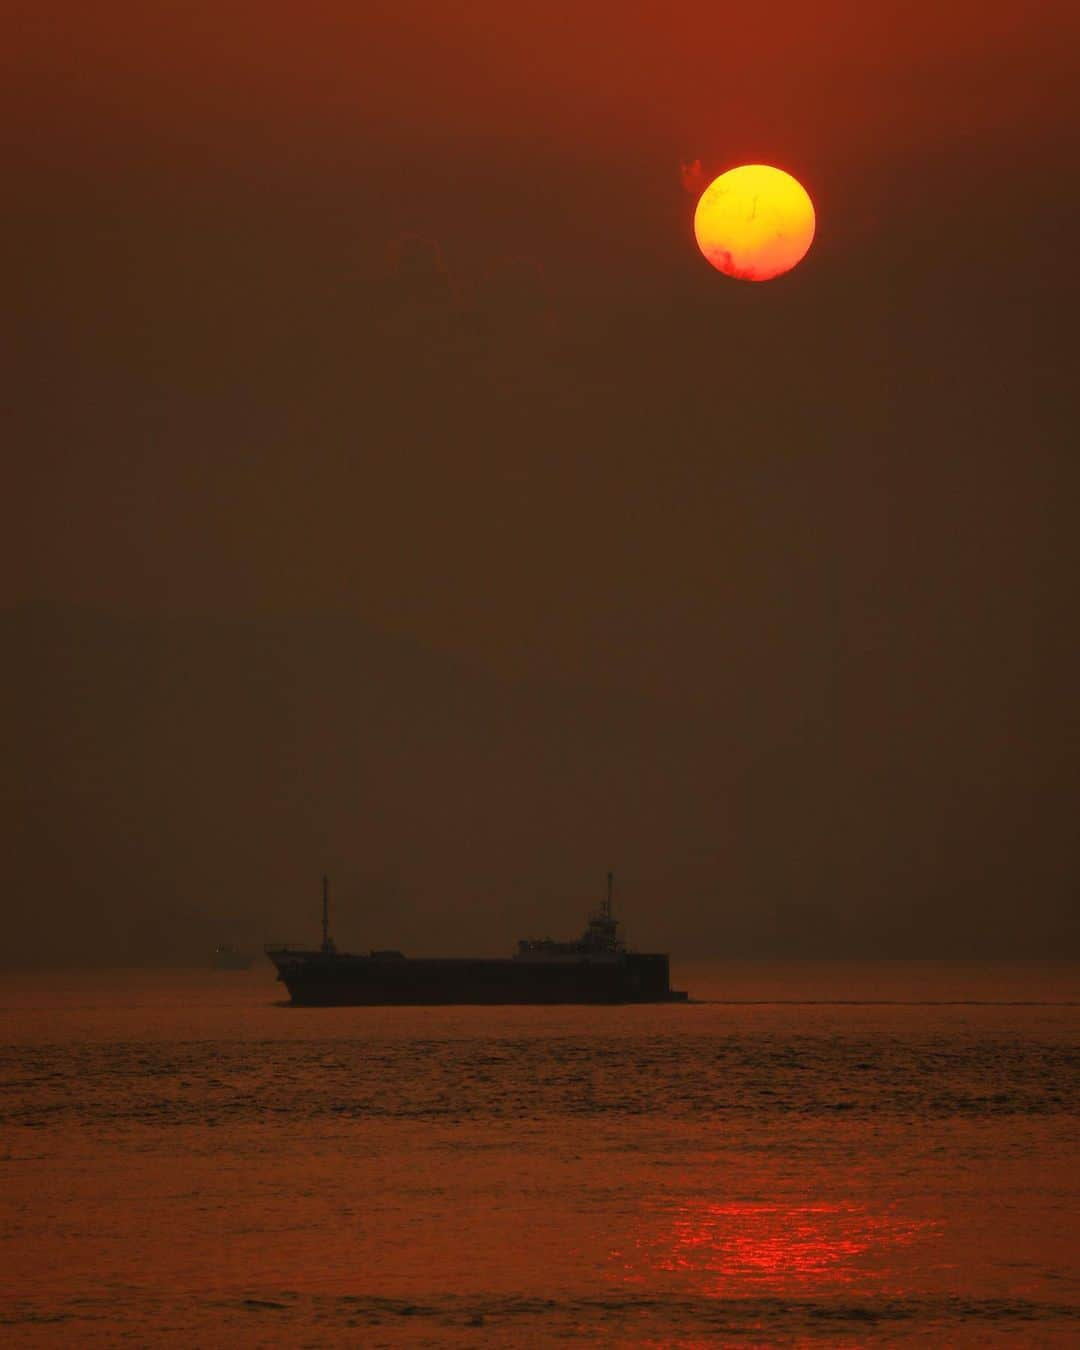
x,y
856,1154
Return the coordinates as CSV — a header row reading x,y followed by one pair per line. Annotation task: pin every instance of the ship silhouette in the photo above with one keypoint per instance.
x,y
596,968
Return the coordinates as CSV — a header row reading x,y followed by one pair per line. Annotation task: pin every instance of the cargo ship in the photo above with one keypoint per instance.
x,y
597,968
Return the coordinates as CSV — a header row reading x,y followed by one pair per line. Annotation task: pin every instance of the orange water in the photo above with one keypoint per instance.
x,y
185,1161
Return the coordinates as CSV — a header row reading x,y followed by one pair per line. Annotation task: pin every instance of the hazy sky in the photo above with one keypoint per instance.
x,y
376,334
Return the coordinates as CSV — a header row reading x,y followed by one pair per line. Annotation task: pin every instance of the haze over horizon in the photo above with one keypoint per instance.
x,y
396,493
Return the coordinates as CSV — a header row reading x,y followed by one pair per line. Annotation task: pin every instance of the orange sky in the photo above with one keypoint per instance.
x,y
287,85
196,190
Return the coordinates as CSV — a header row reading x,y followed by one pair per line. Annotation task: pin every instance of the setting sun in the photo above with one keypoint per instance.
x,y
754,222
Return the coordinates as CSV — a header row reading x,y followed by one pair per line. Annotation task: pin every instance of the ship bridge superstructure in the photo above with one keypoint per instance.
x,y
601,941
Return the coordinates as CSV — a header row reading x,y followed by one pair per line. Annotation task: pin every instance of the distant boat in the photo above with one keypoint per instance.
x,y
597,968
228,957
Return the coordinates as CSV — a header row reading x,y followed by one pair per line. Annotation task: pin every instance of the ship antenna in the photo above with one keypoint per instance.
x,y
607,902
325,914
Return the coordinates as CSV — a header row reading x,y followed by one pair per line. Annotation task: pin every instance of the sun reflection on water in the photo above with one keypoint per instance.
x,y
747,1247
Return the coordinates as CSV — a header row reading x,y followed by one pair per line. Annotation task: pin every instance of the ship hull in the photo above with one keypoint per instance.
x,y
320,979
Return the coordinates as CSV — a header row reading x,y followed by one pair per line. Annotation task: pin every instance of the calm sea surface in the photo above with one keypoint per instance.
x,y
835,1155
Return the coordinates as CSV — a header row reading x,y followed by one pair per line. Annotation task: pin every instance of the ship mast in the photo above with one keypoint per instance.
x,y
606,910
327,945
